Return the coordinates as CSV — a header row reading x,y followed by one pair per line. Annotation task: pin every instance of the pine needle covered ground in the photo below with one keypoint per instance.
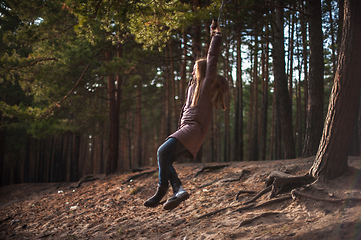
x,y
104,207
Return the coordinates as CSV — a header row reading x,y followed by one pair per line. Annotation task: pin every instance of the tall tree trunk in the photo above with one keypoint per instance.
x,y
76,153
265,80
129,142
331,158
183,81
254,154
355,140
196,53
168,96
227,131
51,160
299,128
2,153
214,137
283,101
341,11
26,160
273,129
173,85
69,159
290,52
333,43
359,126
212,142
64,156
278,145
196,33
113,131
250,112
305,62
139,126
238,136
314,120
119,85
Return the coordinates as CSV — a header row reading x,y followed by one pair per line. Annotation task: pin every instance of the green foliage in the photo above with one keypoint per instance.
x,y
45,48
41,60
154,21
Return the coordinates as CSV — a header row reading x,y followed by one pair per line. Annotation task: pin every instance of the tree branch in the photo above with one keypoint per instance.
x,y
32,64
55,105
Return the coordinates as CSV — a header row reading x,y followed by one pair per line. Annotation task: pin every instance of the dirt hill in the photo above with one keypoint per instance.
x,y
105,207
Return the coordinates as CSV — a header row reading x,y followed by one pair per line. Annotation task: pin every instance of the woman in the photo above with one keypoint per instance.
x,y
205,91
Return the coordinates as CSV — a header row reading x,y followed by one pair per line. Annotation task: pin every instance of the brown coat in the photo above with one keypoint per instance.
x,y
195,120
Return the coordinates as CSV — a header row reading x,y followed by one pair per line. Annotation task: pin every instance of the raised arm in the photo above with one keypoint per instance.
x,y
213,54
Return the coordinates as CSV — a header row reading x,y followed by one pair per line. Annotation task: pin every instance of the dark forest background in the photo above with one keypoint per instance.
x,y
90,87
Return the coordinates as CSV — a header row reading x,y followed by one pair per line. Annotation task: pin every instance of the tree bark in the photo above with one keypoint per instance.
x,y
238,136
331,158
168,96
75,163
332,34
273,129
113,129
119,85
196,53
304,54
196,33
283,101
265,80
355,139
290,52
314,119
254,149
183,81
139,131
227,130
172,79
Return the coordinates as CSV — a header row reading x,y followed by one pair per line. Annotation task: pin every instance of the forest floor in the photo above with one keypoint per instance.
x,y
112,207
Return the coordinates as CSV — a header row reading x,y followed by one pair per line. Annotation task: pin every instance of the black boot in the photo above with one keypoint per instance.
x,y
154,201
179,196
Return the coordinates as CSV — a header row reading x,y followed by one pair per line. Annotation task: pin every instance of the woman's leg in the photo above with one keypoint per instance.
x,y
175,182
168,153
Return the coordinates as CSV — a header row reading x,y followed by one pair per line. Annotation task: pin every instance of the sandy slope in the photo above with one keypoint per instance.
x,y
109,208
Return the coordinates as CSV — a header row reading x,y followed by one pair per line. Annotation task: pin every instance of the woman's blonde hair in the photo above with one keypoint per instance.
x,y
200,73
218,97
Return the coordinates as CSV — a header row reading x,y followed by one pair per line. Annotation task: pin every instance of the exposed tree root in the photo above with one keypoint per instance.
x,y
274,200
83,180
247,206
208,184
258,195
243,172
225,208
138,169
248,221
276,183
243,191
225,180
295,193
211,168
283,182
135,176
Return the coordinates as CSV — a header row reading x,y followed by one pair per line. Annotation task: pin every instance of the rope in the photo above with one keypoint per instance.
x,y
215,20
220,11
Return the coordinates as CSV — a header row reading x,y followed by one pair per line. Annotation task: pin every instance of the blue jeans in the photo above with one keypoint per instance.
x,y
168,153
